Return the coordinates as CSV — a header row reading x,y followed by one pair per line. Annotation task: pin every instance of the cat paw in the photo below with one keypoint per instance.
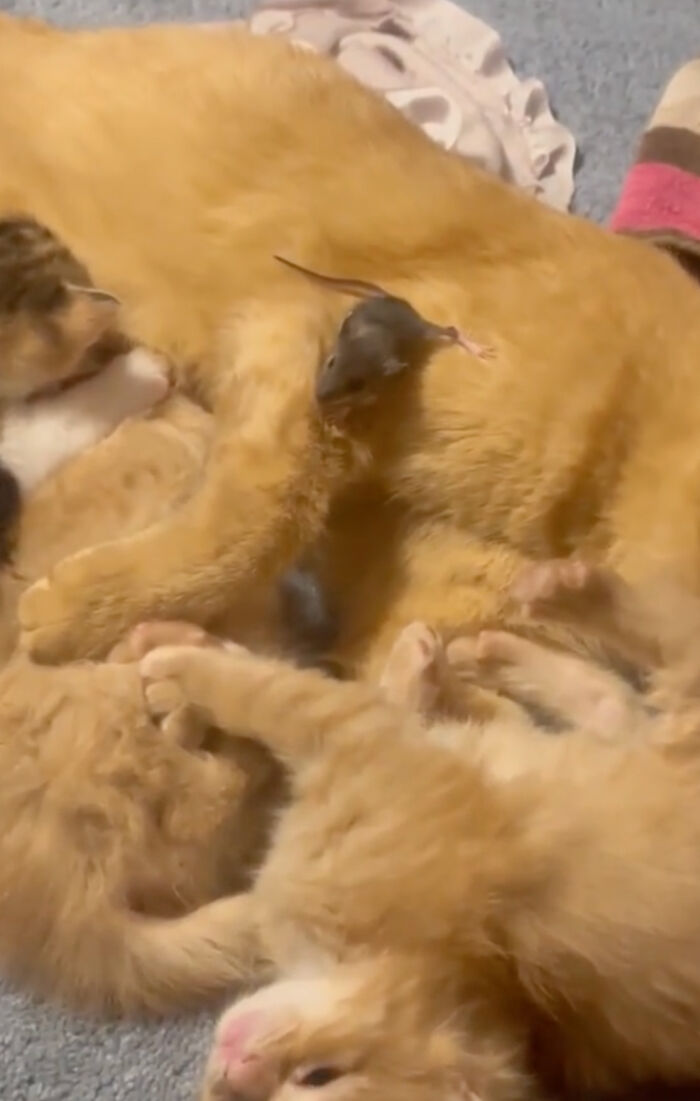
x,y
484,657
411,675
47,633
77,611
169,677
187,676
566,590
144,380
546,581
417,647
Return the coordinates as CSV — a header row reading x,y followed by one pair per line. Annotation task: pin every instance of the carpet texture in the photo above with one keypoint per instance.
x,y
604,63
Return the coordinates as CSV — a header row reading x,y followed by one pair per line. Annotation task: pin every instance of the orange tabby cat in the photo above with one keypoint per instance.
x,y
561,441
504,911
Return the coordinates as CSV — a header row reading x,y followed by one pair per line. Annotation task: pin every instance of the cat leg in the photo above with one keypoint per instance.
x,y
564,685
293,712
274,466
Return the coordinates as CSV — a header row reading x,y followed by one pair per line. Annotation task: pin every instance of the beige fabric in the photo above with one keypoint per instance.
x,y
680,103
445,70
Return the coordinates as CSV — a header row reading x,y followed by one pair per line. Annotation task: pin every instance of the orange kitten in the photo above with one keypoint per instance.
x,y
504,909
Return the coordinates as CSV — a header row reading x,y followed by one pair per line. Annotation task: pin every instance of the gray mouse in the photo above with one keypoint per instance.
x,y
381,337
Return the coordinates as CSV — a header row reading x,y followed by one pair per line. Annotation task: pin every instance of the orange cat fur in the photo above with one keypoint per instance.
x,y
504,912
109,832
473,466
561,441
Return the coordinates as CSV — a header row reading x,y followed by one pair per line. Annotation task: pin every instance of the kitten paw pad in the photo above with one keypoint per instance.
x,y
547,581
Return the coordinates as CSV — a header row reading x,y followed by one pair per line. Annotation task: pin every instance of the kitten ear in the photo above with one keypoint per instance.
x,y
94,292
89,315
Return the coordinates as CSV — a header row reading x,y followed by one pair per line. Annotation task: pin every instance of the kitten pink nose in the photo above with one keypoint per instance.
x,y
250,1077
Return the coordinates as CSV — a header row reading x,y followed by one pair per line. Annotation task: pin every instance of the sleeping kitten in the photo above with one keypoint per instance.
x,y
476,899
68,375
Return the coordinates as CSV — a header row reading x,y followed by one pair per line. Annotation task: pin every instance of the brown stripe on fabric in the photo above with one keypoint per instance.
x,y
669,239
671,145
684,250
688,260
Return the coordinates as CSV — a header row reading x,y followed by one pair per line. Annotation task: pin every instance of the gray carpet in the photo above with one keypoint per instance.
x,y
604,62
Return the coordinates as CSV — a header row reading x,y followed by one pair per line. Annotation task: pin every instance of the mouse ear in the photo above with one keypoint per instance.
x,y
393,366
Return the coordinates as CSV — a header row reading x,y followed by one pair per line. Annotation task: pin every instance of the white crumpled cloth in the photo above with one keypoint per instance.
x,y
448,72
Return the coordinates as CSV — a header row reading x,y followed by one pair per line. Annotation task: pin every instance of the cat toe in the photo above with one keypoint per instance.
x,y
499,647
164,698
164,661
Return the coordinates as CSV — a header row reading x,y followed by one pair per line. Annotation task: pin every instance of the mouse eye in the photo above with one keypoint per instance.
x,y
330,362
355,385
316,1077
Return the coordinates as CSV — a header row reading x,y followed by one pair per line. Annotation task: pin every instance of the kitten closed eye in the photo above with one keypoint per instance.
x,y
316,1077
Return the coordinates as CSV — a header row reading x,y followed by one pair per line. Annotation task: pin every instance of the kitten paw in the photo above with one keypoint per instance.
x,y
485,657
187,676
546,581
145,380
411,675
166,673
566,590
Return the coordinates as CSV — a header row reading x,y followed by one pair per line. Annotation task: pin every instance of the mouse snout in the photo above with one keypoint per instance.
x,y
332,381
328,386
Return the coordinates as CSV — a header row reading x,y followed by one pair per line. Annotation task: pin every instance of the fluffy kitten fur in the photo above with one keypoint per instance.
x,y
505,918
103,822
560,442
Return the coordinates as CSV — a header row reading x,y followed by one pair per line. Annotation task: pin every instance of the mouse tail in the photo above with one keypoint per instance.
x,y
358,288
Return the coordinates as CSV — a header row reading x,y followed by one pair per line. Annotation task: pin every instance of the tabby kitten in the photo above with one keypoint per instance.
x,y
68,374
